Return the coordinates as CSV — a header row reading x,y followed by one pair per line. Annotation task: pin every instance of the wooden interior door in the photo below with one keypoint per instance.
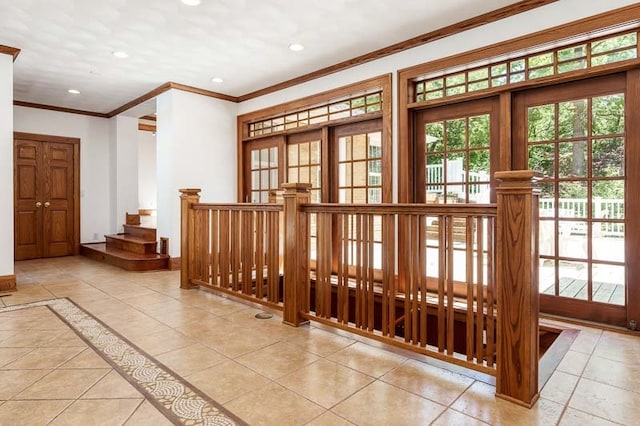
x,y
46,187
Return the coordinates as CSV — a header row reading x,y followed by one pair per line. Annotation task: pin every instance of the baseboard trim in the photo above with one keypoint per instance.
x,y
8,283
174,264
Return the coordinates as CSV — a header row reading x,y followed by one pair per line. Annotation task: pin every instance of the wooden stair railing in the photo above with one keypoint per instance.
x,y
515,261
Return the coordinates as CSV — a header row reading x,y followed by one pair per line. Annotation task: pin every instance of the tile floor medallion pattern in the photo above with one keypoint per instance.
x,y
177,399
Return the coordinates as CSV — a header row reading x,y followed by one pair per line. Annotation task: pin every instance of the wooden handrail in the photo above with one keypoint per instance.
x,y
239,207
462,210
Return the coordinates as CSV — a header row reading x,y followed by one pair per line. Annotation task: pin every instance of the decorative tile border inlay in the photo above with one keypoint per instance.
x,y
177,399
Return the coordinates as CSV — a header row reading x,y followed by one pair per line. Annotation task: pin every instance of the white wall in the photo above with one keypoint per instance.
x,y
95,189
196,147
124,169
147,180
6,165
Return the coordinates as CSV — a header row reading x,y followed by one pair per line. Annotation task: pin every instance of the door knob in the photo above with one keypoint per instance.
x,y
38,204
47,204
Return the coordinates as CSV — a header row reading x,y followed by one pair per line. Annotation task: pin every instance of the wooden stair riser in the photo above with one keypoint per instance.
x,y
148,234
143,247
122,260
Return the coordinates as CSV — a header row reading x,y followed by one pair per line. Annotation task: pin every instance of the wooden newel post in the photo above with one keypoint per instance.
x,y
296,253
517,286
188,197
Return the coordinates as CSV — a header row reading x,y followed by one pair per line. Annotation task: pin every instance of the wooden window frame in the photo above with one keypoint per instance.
x,y
588,29
381,83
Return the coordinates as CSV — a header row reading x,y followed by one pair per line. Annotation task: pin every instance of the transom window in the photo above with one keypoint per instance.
x,y
578,56
352,107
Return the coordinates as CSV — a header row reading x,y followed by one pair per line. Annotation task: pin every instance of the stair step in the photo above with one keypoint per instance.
x,y
131,243
148,234
125,259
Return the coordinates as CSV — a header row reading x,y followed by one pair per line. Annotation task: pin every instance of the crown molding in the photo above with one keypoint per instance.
x,y
204,92
59,109
152,94
8,50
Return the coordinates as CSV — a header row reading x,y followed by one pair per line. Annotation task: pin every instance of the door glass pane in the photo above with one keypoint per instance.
x,y
572,119
582,249
360,168
457,160
303,165
572,158
264,173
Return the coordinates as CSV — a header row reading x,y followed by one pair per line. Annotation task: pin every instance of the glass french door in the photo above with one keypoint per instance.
x,y
575,135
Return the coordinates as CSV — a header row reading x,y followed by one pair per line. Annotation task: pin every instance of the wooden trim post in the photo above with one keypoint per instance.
x,y
296,253
188,197
517,286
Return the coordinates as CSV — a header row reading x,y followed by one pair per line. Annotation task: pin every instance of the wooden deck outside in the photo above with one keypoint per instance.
x,y
577,289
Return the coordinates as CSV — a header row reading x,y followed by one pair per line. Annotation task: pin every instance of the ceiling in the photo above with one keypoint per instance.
x,y
69,44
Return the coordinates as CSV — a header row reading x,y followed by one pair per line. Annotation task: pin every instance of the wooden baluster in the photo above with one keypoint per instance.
x,y
296,253
188,197
204,234
491,301
358,266
215,227
469,276
371,267
340,290
480,290
260,254
323,265
450,269
224,248
235,249
344,266
422,278
247,232
414,280
518,294
273,256
442,271
327,261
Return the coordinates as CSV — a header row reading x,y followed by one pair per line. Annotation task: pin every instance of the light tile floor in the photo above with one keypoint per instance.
x,y
263,371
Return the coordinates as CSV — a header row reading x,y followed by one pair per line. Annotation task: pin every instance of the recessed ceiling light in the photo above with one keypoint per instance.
x,y
217,80
191,2
74,91
296,47
120,54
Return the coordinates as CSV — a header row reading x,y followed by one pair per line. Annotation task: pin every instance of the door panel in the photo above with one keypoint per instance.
x,y
46,220
58,217
575,135
28,200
